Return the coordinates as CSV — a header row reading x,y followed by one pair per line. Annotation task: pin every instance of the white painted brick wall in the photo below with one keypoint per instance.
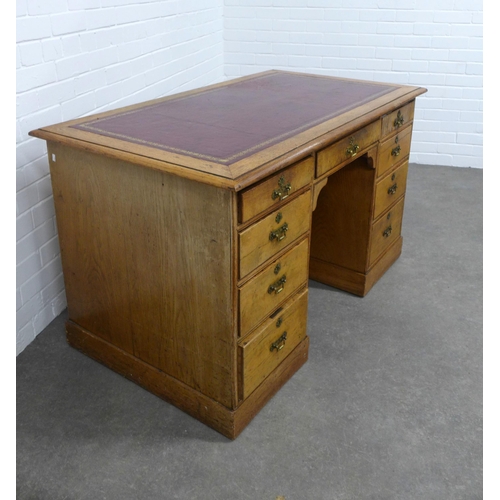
x,y
435,44
77,57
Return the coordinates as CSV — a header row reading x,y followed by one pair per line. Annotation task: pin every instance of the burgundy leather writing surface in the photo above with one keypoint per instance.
x,y
232,122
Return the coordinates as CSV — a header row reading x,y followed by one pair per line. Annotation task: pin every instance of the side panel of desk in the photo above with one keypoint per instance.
x,y
148,266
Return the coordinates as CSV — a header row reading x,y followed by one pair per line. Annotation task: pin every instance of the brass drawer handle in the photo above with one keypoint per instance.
x,y
396,151
279,344
279,234
392,189
387,232
399,120
283,191
353,148
278,286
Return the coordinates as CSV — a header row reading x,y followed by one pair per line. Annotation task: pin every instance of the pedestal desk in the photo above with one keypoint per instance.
x,y
189,226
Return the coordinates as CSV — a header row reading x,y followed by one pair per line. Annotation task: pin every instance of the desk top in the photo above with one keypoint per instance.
x,y
233,133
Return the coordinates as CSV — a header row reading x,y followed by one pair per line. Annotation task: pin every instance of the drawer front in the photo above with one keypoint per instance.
x,y
348,147
390,188
272,286
262,351
273,191
267,237
386,231
398,119
393,150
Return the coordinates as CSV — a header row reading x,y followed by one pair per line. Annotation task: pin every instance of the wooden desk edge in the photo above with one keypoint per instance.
x,y
228,182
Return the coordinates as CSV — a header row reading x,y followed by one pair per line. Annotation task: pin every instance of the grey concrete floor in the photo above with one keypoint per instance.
x,y
389,405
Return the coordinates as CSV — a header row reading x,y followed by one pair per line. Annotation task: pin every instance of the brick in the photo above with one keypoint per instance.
x,y
238,12
336,39
31,77
99,18
71,45
255,48
43,7
53,291
27,103
311,14
288,48
88,82
37,169
25,332
333,4
33,28
470,139
31,53
377,64
270,60
377,40
41,279
322,50
474,69
373,15
304,61
50,250
414,66
391,76
454,17
26,269
430,54
21,8
84,4
56,93
394,53
355,52
394,28
471,116
464,80
39,119
24,225
414,16
52,49
469,30
70,22
359,27
412,41
396,4
43,211
20,179
43,318
72,66
26,198
80,106
474,5
433,29
272,36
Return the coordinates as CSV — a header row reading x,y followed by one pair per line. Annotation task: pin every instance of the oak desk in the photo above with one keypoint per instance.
x,y
189,227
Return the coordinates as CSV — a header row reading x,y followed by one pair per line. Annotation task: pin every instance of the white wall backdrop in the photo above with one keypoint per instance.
x,y
76,57
436,44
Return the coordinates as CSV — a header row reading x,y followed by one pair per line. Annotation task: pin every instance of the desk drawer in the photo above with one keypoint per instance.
x,y
385,231
397,119
262,351
393,150
272,286
272,191
268,236
390,188
346,148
